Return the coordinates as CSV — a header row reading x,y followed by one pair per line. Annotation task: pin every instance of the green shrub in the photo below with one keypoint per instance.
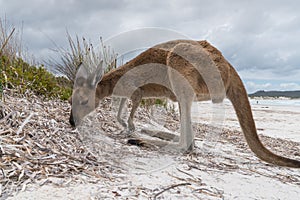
x,y
150,102
21,76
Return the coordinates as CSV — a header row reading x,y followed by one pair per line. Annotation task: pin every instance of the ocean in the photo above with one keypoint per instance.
x,y
276,102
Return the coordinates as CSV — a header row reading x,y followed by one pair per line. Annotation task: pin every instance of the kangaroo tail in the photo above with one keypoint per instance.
x,y
237,94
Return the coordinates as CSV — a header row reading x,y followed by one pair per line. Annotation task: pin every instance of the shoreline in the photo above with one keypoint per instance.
x,y
278,121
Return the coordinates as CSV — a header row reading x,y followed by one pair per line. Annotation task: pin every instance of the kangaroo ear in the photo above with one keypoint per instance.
x,y
81,72
81,76
98,74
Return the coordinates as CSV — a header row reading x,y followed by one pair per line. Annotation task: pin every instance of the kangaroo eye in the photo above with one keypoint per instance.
x,y
79,82
84,102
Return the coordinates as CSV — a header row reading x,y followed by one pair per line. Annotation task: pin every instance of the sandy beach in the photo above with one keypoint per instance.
x,y
274,118
221,167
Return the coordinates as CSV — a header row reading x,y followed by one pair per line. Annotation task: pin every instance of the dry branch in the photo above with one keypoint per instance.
x,y
169,188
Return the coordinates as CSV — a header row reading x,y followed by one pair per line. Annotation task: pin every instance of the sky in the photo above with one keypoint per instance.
x,y
260,38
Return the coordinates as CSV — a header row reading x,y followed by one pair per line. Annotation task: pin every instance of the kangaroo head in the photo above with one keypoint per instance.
x,y
83,96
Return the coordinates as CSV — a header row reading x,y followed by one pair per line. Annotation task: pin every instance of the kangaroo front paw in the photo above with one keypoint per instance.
x,y
190,148
131,127
123,123
187,147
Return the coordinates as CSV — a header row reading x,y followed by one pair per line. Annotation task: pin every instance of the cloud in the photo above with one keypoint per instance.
x,y
259,39
290,86
252,86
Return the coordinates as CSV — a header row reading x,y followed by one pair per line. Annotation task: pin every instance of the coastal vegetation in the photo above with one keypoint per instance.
x,y
276,94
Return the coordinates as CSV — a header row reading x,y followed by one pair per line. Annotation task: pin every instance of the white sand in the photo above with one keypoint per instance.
x,y
243,176
279,121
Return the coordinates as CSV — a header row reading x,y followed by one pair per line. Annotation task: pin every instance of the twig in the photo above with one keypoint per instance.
x,y
8,116
170,187
6,41
185,173
24,123
6,131
218,193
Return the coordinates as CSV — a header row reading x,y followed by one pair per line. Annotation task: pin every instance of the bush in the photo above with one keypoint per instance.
x,y
21,76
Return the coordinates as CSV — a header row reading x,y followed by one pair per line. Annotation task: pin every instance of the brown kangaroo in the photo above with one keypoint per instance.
x,y
184,71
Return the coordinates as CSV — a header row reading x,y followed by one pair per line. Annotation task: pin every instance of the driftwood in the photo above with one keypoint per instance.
x,y
36,142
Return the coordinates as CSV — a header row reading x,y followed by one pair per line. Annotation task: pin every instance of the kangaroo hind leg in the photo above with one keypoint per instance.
x,y
120,111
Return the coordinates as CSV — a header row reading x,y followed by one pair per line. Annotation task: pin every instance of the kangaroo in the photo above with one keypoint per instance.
x,y
184,71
